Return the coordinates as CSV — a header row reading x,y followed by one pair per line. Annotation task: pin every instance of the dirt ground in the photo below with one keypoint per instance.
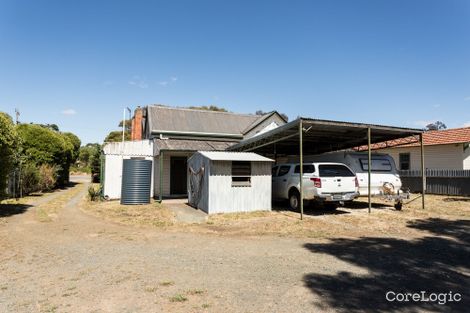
x,y
60,253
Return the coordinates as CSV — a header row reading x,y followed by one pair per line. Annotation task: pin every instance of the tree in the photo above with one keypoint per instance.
x,y
8,145
260,112
86,156
128,125
438,125
95,163
50,126
42,145
208,108
116,136
76,143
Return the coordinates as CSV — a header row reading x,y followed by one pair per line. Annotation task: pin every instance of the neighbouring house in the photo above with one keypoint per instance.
x,y
227,182
443,149
175,134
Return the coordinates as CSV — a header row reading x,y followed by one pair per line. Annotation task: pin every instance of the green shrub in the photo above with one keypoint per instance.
x,y
47,177
8,145
94,193
30,178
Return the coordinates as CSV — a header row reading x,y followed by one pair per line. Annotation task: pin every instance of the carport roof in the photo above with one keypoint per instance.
x,y
320,136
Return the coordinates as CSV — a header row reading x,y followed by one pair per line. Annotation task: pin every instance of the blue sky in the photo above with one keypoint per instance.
x,y
79,63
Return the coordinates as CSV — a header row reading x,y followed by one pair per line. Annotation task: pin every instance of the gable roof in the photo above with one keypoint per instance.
x,y
430,138
163,119
261,119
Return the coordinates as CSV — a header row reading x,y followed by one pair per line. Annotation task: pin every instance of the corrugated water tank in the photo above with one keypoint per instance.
x,y
136,181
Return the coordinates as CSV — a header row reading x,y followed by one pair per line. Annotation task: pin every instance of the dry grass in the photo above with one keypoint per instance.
x,y
27,199
48,211
178,298
153,214
350,221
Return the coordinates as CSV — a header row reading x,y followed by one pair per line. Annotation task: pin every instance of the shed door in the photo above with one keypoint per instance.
x,y
178,176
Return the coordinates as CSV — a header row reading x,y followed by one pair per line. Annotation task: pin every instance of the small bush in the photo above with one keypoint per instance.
x,y
29,178
178,298
47,177
94,194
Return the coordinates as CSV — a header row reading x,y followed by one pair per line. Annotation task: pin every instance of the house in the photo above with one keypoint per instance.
x,y
177,133
227,182
443,149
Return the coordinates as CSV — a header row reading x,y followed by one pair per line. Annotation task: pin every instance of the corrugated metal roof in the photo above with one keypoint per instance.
x,y
201,121
190,145
320,136
131,148
234,156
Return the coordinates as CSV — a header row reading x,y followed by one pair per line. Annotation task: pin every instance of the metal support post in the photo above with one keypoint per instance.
x,y
160,172
369,168
301,169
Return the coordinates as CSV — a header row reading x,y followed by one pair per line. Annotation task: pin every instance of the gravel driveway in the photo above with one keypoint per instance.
x,y
79,263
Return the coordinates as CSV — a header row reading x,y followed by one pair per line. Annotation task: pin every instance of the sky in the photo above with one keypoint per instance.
x,y
79,64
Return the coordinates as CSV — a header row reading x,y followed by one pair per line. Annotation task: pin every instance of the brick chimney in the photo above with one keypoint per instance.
x,y
136,127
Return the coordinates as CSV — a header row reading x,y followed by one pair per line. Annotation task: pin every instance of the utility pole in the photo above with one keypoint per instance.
x,y
17,114
123,124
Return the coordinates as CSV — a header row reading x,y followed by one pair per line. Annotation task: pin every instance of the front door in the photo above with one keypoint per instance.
x,y
178,176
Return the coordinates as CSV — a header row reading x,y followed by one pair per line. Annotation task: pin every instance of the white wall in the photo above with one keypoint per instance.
x,y
113,175
223,198
435,157
466,158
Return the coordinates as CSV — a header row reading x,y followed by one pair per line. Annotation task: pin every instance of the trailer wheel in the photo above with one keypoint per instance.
x,y
398,205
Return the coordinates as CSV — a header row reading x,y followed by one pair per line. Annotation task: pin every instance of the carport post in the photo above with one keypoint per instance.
x,y
301,170
160,172
423,171
369,167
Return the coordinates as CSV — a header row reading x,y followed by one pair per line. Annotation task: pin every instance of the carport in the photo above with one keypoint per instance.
x,y
315,136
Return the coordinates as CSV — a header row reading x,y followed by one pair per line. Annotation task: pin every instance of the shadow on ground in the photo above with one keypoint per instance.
x,y
438,262
309,209
363,204
68,185
453,199
7,210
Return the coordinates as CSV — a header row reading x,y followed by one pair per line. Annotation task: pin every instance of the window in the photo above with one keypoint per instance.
x,y
378,165
283,170
274,171
404,160
332,170
307,168
241,174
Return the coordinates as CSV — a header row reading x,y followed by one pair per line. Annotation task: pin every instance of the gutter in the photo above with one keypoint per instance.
x,y
197,134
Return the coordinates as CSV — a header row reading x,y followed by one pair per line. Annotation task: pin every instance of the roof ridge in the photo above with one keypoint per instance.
x,y
200,110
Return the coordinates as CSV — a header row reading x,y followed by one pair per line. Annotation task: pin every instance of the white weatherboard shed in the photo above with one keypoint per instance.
x,y
227,182
114,153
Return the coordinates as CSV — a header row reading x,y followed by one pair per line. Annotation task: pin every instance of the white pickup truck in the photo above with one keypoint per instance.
x,y
325,182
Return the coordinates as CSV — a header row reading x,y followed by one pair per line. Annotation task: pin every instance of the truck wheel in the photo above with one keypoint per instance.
x,y
294,200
